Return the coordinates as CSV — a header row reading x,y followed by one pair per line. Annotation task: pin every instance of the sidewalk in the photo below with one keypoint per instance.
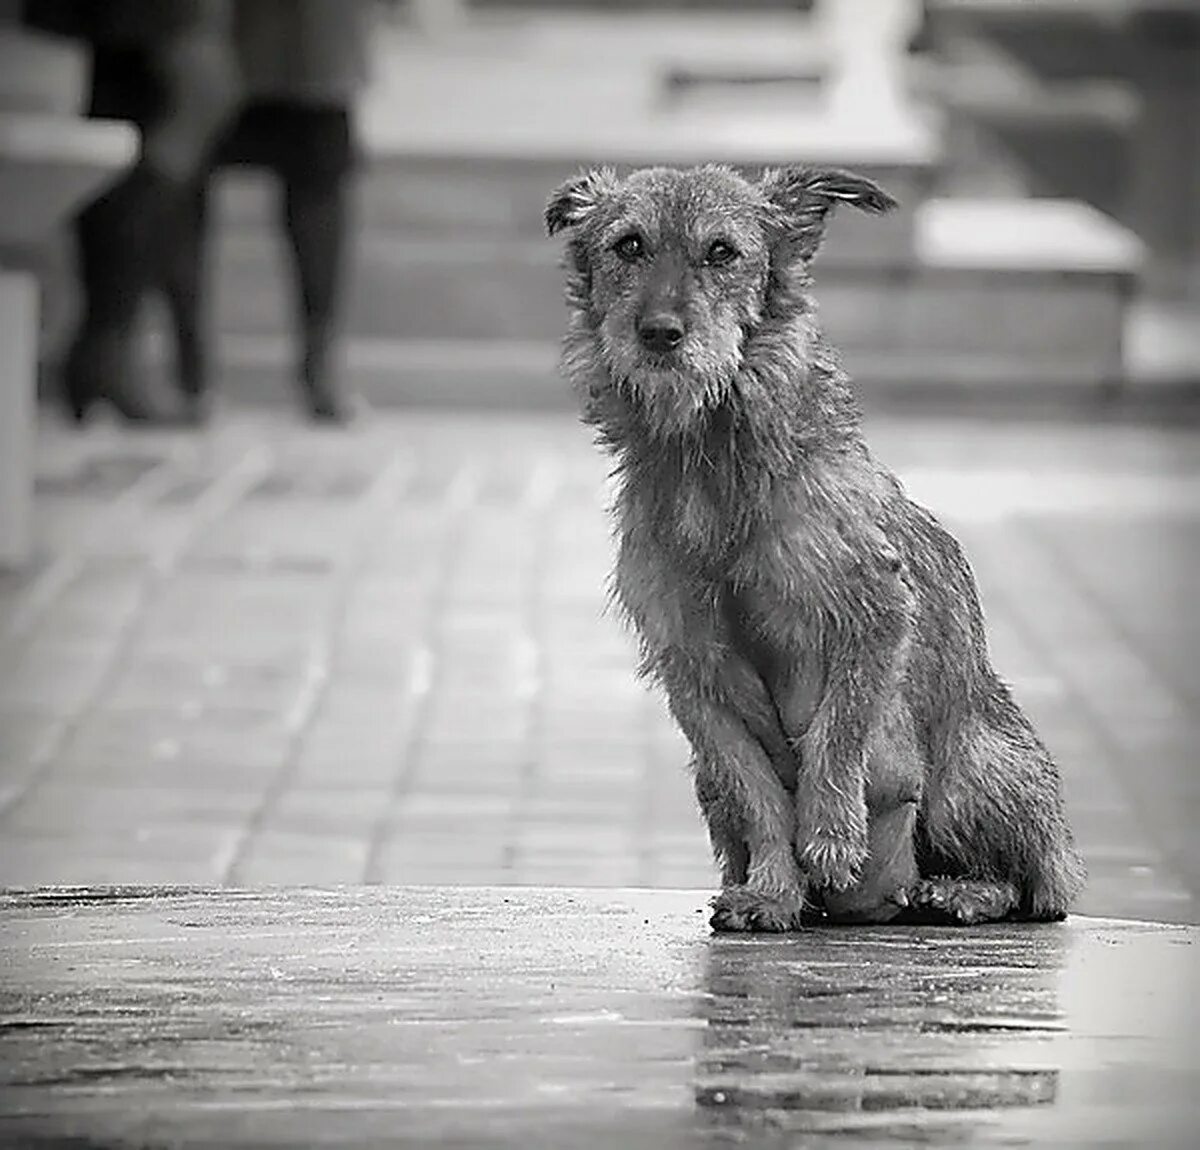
x,y
557,1019
276,655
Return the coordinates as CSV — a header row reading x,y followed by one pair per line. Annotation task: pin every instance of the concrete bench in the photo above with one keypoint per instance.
x,y
524,1016
49,165
51,162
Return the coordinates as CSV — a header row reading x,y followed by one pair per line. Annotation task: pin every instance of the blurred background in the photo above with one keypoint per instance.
x,y
304,566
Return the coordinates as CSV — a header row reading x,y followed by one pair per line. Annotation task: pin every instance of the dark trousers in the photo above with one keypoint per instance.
x,y
118,233
310,150
122,235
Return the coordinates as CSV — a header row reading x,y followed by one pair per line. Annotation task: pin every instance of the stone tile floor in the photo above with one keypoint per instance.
x,y
271,654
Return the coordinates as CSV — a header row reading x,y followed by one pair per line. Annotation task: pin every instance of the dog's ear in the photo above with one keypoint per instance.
x,y
800,199
575,200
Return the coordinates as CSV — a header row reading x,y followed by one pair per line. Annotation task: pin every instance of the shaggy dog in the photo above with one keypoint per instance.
x,y
818,635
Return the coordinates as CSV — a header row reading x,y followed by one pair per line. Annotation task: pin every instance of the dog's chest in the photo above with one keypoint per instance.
x,y
706,525
765,545
755,568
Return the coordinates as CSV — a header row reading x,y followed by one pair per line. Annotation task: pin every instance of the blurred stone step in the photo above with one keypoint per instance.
x,y
436,288
511,375
570,88
491,296
996,293
1029,286
1097,101
1062,39
457,199
1048,88
1073,143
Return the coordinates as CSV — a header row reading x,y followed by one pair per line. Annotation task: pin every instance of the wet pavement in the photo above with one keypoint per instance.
x,y
274,654
472,1017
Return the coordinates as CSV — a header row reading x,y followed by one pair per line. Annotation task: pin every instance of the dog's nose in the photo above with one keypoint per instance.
x,y
661,331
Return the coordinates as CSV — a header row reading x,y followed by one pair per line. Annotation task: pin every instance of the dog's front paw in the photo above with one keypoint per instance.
x,y
739,909
832,862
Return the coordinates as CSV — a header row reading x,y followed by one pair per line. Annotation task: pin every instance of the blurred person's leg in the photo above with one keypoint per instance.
x,y
309,149
112,249
184,278
302,64
178,90
318,184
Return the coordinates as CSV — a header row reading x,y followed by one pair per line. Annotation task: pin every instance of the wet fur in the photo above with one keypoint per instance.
x,y
818,635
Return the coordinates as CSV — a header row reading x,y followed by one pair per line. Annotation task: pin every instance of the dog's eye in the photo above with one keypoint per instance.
x,y
719,253
630,247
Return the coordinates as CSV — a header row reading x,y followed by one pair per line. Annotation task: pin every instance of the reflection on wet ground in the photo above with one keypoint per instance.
x,y
517,1017
856,1022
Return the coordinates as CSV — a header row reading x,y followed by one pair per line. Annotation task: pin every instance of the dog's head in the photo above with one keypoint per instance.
x,y
671,271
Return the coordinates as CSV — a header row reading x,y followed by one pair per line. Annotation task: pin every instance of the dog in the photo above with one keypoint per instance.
x,y
818,635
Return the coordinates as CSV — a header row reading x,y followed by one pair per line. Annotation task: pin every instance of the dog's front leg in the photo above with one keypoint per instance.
x,y
750,816
863,665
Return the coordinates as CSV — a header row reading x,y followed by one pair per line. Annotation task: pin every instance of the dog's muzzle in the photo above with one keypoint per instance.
x,y
660,333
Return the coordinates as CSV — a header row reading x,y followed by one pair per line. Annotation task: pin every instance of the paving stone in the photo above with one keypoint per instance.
x,y
167,766
97,601
444,722
694,876
330,766
58,807
187,853
313,810
490,784
537,872
147,682
23,733
133,728
399,871
51,678
292,857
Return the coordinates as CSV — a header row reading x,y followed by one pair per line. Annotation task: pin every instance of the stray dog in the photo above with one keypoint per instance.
x,y
819,635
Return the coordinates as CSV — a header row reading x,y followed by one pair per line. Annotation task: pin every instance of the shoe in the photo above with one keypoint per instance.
x,y
195,389
116,235
98,371
197,409
323,400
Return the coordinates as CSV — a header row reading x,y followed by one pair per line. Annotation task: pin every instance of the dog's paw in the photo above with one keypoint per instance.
x,y
741,909
961,902
832,862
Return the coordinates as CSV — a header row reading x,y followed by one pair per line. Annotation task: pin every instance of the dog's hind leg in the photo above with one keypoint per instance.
x,y
993,813
961,901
